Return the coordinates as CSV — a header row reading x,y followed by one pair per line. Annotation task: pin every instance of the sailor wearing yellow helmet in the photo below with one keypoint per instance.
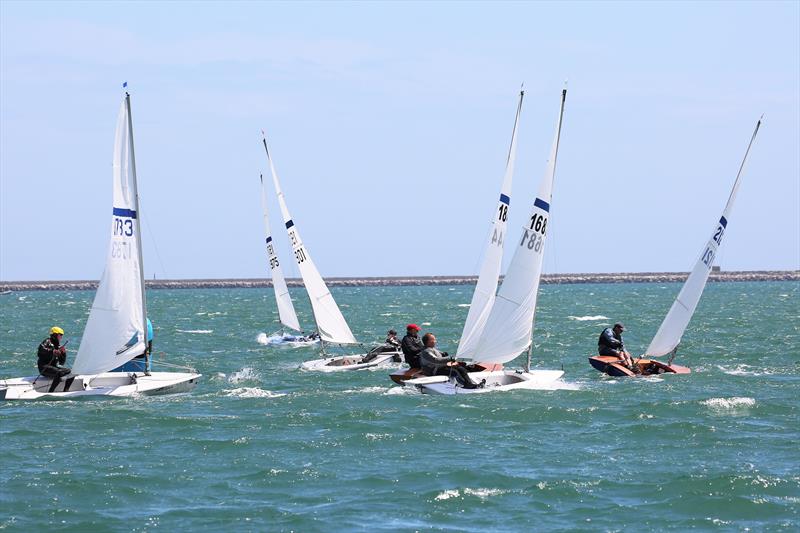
x,y
52,354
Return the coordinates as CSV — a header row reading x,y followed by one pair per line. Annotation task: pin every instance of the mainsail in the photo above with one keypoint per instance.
x,y
509,328
484,295
284,300
331,325
115,330
671,330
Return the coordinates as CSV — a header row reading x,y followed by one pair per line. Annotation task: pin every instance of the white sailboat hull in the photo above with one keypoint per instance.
x,y
496,381
348,362
109,384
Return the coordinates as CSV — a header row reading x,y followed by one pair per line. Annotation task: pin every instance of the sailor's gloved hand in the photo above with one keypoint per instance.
x,y
445,354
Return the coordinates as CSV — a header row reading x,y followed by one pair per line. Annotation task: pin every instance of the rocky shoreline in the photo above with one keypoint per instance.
x,y
642,277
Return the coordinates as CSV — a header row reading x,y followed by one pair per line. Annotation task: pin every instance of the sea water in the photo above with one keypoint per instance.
x,y
262,446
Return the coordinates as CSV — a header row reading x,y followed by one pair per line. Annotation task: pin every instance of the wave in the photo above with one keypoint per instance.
x,y
464,305
253,392
245,374
729,403
195,330
481,493
588,317
743,370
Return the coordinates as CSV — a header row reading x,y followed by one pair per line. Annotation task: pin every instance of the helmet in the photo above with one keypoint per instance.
x,y
55,330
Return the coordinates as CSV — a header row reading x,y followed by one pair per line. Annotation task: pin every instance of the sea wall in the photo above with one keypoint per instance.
x,y
641,277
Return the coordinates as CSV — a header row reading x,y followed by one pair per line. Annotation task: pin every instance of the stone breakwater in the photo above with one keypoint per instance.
x,y
642,277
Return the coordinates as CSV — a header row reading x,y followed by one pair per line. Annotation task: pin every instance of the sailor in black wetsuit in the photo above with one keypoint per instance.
x,y
50,355
436,363
610,343
412,346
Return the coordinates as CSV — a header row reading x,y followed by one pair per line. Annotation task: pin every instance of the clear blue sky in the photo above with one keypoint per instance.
x,y
389,125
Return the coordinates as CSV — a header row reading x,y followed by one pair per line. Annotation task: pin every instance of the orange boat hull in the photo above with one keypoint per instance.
x,y
612,366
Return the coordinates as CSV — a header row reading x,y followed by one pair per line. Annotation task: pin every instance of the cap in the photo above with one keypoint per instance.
x,y
55,330
620,326
392,332
412,326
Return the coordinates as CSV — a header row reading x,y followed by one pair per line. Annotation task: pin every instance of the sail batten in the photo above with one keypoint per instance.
x,y
509,327
483,297
115,329
671,330
331,325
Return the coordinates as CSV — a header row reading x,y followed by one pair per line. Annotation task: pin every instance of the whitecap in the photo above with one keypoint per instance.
x,y
195,330
386,314
464,305
253,392
446,495
245,374
588,317
729,403
426,323
484,493
365,389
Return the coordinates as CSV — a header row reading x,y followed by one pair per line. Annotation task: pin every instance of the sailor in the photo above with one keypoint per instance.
x,y
391,338
412,346
610,343
142,362
51,355
436,363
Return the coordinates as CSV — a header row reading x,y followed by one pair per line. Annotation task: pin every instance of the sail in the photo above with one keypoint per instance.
x,y
331,325
509,328
671,330
483,297
115,330
285,308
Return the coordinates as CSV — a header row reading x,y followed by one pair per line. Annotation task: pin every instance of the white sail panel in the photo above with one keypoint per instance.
x,y
509,328
331,325
484,296
671,331
115,330
286,311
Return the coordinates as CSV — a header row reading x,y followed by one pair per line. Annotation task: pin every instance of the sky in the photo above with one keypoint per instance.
x,y
389,125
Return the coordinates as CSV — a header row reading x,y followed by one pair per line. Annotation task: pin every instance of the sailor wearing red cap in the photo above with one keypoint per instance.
x,y
412,345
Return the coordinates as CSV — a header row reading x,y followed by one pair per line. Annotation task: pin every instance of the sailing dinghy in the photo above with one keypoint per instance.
x,y
286,312
486,287
669,334
116,329
332,328
507,330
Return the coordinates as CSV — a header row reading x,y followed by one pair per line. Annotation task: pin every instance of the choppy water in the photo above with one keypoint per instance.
x,y
260,445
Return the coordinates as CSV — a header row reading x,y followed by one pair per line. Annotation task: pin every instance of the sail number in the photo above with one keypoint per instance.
x,y
273,262
293,237
532,241
120,250
503,215
300,255
539,223
123,227
708,257
718,234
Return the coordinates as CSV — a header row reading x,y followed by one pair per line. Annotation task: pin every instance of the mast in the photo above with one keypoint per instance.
x,y
138,217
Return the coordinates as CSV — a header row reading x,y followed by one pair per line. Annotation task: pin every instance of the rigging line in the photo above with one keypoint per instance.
x,y
153,240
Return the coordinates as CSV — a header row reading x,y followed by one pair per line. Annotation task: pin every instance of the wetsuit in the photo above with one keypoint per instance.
x,y
610,343
50,355
412,346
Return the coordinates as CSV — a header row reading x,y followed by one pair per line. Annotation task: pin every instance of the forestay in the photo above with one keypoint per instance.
x,y
509,328
284,300
331,325
115,330
671,330
484,295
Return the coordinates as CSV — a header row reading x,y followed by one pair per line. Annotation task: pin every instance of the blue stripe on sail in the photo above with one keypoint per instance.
x,y
505,199
128,213
269,240
541,204
723,222
289,224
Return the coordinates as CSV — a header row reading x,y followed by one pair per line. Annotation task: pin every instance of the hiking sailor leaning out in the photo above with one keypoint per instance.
x,y
51,354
